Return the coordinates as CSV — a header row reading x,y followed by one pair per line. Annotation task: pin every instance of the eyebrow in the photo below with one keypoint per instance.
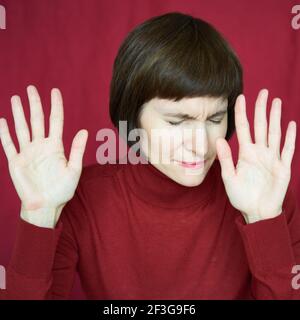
x,y
185,116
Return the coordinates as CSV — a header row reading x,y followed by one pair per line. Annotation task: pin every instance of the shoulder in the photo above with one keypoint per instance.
x,y
94,188
96,172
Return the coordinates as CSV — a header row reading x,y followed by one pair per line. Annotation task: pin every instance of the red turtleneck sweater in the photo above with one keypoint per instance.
x,y
133,233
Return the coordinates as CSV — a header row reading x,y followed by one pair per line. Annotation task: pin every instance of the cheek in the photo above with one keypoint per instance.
x,y
224,126
215,133
168,139
220,130
160,141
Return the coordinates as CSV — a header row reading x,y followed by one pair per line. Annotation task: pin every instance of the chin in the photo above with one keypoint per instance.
x,y
191,180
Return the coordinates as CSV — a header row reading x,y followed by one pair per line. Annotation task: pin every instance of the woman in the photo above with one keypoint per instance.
x,y
191,227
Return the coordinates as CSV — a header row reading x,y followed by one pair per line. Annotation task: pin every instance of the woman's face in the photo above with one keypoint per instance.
x,y
174,143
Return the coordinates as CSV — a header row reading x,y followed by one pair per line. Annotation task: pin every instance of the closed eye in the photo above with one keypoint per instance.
x,y
174,123
214,121
177,123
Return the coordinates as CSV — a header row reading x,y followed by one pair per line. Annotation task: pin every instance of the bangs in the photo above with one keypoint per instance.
x,y
197,68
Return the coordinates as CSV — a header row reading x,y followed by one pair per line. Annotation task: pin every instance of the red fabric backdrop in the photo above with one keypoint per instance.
x,y
71,44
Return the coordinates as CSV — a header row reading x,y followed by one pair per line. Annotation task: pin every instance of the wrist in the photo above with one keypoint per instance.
x,y
42,217
251,218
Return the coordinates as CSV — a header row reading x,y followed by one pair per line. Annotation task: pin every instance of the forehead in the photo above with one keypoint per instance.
x,y
193,106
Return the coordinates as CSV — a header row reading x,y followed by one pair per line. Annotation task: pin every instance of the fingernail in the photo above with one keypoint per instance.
x,y
30,87
242,97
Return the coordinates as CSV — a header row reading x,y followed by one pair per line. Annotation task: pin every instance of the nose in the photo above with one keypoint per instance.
x,y
196,141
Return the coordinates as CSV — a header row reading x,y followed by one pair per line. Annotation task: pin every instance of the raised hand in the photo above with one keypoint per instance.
x,y
257,185
44,180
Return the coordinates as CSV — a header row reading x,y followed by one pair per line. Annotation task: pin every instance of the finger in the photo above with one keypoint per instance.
x,y
274,135
21,126
77,150
241,121
7,143
260,118
289,144
57,114
36,113
225,158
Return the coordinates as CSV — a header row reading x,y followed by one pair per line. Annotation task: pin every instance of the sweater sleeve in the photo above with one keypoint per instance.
x,y
272,248
43,261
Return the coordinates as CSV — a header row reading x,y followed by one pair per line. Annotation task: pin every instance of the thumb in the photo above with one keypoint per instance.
x,y
77,150
225,158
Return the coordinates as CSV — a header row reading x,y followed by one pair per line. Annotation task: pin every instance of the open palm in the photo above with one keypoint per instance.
x,y
41,174
258,184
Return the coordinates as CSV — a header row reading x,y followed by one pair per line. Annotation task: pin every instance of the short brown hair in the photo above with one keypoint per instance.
x,y
173,56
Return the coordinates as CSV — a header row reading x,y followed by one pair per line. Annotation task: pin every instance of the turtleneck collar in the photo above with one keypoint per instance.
x,y
154,187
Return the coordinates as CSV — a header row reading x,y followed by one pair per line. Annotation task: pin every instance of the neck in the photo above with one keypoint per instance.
x,y
154,187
